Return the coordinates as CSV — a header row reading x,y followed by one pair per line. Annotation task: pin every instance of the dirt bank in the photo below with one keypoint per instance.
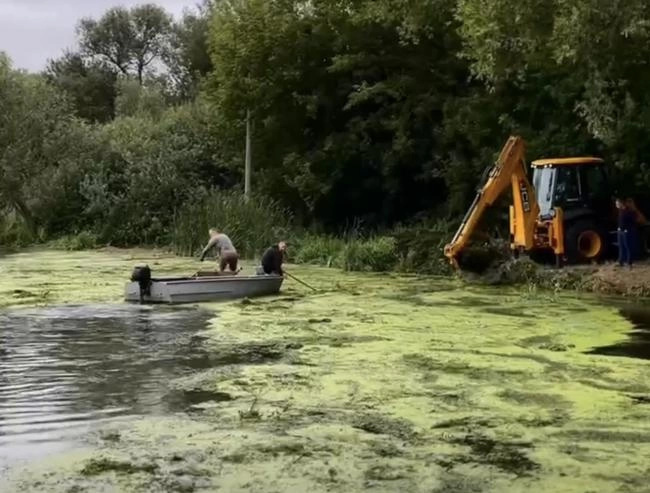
x,y
603,279
614,280
379,382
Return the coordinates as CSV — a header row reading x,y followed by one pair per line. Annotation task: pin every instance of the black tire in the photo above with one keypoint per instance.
x,y
584,241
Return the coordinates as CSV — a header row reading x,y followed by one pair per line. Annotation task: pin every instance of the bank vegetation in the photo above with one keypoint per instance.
x,y
372,121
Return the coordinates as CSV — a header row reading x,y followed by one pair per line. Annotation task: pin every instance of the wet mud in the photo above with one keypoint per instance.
x,y
375,383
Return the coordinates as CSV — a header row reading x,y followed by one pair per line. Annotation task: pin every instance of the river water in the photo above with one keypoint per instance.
x,y
65,370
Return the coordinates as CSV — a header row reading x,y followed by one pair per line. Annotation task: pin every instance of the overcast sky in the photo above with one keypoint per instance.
x,y
32,31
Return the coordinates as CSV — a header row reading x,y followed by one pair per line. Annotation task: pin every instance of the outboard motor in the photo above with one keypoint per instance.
x,y
142,275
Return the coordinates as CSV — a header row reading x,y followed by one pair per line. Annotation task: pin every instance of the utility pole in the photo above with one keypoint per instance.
x,y
247,173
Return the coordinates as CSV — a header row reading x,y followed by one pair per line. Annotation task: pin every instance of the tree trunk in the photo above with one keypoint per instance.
x,y
26,214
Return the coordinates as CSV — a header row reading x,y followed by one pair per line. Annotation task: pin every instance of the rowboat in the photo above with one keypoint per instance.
x,y
146,289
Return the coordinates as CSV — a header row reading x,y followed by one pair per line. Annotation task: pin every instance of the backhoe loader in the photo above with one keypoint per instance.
x,y
568,209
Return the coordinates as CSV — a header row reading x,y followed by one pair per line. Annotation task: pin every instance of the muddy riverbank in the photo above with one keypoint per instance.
x,y
378,382
601,279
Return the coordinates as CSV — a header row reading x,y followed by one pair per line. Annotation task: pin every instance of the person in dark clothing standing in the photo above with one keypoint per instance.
x,y
272,259
626,232
633,237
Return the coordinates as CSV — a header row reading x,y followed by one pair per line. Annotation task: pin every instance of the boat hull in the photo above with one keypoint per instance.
x,y
202,289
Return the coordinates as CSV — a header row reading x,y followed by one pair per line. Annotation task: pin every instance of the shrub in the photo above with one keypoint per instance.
x,y
421,247
145,169
316,249
376,254
408,249
14,234
81,241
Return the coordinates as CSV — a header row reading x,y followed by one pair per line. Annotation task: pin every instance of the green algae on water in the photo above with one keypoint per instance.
x,y
391,384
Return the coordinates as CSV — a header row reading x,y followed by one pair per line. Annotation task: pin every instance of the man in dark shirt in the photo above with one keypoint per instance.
x,y
626,226
272,259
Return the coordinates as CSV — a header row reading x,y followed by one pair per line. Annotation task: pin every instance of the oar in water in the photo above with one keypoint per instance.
x,y
301,282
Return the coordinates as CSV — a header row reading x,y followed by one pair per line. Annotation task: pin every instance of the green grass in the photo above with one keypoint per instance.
x,y
373,254
81,241
317,250
376,254
413,248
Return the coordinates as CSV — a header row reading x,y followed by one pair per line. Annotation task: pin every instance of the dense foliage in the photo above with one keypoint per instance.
x,y
382,112
252,224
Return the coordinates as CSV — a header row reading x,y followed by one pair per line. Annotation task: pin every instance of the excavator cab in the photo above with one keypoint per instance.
x,y
566,211
572,184
579,187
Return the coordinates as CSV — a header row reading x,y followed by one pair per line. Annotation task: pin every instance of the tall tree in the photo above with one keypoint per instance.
x,y
41,141
89,84
110,38
136,100
189,59
131,40
579,67
348,99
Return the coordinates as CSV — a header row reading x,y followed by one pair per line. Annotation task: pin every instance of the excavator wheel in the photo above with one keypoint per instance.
x,y
584,242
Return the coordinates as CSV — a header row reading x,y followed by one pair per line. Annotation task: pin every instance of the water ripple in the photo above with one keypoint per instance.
x,y
66,369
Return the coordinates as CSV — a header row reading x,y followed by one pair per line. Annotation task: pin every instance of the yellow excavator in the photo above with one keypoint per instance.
x,y
567,211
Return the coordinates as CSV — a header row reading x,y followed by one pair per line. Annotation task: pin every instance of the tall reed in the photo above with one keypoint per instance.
x,y
252,225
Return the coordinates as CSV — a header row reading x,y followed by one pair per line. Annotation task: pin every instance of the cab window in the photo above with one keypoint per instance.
x,y
594,181
543,183
567,187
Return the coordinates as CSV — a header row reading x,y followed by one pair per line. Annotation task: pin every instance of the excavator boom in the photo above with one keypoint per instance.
x,y
509,170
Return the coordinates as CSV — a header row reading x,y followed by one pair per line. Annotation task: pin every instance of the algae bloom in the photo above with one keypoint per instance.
x,y
377,382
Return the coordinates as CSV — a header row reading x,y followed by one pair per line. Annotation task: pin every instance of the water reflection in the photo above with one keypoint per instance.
x,y
638,343
65,369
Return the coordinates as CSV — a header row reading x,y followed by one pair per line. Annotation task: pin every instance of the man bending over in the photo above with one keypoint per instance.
x,y
227,253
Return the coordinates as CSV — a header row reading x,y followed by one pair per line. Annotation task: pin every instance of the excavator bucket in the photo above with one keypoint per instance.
x,y
478,258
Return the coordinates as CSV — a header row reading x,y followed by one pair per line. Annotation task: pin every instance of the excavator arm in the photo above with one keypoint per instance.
x,y
509,170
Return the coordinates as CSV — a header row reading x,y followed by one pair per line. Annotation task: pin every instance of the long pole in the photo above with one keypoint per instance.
x,y
298,280
247,174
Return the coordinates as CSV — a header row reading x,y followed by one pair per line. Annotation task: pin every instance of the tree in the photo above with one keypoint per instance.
x,y
136,100
149,167
189,59
131,40
579,68
42,147
347,97
90,85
